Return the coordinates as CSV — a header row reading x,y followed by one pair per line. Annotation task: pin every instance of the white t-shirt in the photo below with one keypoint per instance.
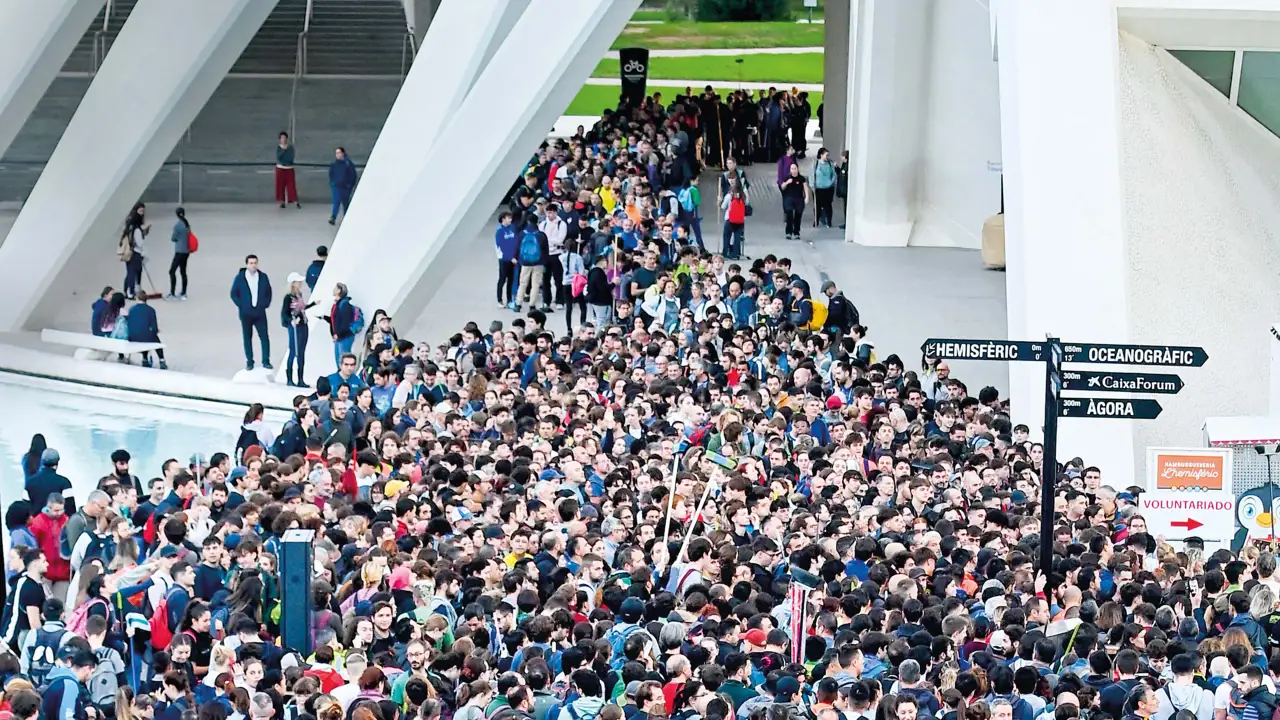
x,y
346,694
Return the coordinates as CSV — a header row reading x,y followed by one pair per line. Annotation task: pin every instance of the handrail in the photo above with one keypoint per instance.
x,y
261,164
299,69
408,51
106,15
95,61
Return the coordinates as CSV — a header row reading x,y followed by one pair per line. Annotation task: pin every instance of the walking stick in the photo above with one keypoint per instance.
x,y
671,501
702,504
720,134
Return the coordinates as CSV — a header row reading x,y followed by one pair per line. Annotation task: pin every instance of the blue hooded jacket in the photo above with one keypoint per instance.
x,y
504,239
342,173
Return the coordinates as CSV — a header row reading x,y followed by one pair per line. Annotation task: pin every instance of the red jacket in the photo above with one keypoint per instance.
x,y
48,532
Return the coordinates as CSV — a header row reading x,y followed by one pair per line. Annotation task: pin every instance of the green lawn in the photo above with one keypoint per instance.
x,y
689,35
594,98
650,15
802,68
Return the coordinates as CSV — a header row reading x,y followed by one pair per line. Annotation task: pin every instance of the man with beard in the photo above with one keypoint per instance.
x,y
415,654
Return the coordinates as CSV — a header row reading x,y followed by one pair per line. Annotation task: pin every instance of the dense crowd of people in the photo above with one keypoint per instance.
x,y
710,500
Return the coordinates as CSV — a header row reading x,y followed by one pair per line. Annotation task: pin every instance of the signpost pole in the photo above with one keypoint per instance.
x,y
1049,466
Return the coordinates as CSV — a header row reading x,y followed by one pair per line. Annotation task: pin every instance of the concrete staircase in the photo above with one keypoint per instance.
x,y
274,49
81,59
229,153
357,37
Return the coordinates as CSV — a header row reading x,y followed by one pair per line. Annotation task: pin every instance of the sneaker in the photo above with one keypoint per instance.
x,y
170,296
502,305
183,296
266,365
248,365
146,362
281,204
559,306
515,308
332,220
164,365
299,206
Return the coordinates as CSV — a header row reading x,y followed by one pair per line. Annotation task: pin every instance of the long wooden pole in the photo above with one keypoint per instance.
x,y
671,500
702,504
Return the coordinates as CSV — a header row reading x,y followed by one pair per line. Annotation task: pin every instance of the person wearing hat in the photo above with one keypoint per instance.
x,y
47,481
294,319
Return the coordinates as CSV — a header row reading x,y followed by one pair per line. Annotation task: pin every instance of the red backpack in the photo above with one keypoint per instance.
x,y
737,211
161,634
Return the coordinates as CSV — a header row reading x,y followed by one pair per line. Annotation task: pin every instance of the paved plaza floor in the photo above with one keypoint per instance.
x,y
905,295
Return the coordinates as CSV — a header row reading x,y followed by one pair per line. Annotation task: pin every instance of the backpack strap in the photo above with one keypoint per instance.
x,y
683,576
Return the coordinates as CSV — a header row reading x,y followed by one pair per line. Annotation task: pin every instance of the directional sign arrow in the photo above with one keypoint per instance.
x,y
1169,355
1015,350
1121,382
1190,524
1090,407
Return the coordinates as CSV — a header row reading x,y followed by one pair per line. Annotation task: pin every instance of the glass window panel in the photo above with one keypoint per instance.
x,y
1260,88
1213,65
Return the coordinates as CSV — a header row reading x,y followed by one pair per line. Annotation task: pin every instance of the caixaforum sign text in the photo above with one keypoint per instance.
x,y
1188,469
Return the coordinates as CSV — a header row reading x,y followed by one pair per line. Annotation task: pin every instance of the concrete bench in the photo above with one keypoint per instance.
x,y
95,347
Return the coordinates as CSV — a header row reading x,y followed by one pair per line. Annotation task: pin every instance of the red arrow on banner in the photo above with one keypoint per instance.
x,y
1189,524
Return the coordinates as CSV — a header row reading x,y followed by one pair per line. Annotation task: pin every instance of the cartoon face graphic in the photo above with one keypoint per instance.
x,y
1256,512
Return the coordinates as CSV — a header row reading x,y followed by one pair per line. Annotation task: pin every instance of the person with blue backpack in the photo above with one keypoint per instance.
x,y
345,322
532,254
690,199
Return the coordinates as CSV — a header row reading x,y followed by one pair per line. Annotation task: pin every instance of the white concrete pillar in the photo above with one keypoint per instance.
x,y
166,62
464,35
35,40
889,92
835,76
1065,244
515,100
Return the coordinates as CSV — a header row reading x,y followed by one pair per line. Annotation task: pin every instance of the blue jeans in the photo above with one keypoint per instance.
x,y
248,325
695,229
341,198
298,335
341,347
731,243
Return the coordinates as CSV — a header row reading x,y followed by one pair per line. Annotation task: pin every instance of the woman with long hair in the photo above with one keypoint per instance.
x,y
134,239
255,431
473,697
31,463
293,315
176,696
181,238
246,598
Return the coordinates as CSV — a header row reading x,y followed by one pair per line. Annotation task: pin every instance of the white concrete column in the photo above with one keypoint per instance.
x,y
35,40
463,36
835,76
889,95
1065,244
166,62
521,91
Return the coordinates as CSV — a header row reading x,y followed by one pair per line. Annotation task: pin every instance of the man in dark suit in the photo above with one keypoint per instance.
x,y
251,292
